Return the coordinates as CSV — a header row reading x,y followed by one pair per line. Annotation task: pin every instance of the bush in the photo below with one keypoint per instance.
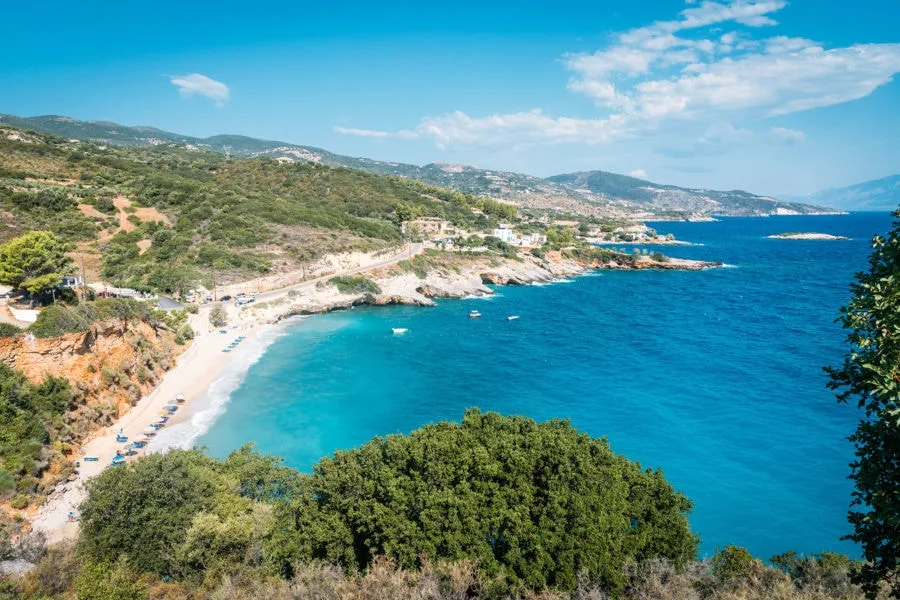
x,y
57,320
536,504
9,330
143,510
192,309
20,501
218,317
732,562
108,581
349,284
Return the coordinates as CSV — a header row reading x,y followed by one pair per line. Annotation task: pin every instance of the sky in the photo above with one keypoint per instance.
x,y
773,96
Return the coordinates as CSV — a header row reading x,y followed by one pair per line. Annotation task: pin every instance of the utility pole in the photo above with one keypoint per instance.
x,y
83,277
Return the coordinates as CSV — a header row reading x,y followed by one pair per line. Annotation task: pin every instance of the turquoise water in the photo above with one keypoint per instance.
x,y
715,377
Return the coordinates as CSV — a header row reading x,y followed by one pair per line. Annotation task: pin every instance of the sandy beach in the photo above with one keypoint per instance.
x,y
197,368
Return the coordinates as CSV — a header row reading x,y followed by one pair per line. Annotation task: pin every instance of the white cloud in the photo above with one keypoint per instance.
x,y
197,84
771,84
788,137
655,75
363,132
639,173
524,128
723,134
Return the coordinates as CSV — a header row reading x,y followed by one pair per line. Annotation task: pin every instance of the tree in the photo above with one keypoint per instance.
x,y
143,511
217,316
870,377
536,504
33,262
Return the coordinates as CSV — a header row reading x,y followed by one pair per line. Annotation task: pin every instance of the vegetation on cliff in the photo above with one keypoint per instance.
x,y
86,363
870,378
355,284
31,421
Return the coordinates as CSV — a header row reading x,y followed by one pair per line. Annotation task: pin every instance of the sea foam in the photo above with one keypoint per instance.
x,y
212,404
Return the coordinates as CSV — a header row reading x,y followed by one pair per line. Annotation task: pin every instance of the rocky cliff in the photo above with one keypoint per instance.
x,y
110,366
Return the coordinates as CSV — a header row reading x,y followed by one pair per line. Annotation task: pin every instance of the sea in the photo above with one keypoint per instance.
x,y
715,377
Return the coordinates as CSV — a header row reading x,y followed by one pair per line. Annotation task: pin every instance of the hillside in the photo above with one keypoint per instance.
x,y
878,194
163,217
657,198
595,193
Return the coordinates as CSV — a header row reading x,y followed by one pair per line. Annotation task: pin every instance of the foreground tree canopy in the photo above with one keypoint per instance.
x,y
33,262
870,377
537,505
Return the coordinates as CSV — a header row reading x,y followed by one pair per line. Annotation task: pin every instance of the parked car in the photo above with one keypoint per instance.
x,y
225,298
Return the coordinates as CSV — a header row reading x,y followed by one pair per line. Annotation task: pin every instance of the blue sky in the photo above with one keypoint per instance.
x,y
771,96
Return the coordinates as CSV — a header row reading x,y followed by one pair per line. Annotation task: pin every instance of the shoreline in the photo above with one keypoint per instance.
x,y
204,364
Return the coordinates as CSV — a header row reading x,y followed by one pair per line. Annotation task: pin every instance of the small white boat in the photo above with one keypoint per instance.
x,y
399,330
512,317
474,314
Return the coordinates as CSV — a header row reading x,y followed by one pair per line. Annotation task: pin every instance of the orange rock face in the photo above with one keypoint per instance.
x,y
111,364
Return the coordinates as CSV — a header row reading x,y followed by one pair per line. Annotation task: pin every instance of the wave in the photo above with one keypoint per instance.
x,y
485,297
212,405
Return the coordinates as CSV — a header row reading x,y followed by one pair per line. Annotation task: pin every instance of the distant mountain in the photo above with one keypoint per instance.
x,y
878,194
595,193
658,198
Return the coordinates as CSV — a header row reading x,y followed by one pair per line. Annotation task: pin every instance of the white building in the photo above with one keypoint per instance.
x,y
504,233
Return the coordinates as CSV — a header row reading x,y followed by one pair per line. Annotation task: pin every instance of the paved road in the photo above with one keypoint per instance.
x,y
167,303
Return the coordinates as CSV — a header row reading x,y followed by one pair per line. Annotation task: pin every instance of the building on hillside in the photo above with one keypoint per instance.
x,y
533,240
71,281
429,227
505,233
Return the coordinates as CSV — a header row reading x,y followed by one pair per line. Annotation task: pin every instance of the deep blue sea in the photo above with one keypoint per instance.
x,y
715,377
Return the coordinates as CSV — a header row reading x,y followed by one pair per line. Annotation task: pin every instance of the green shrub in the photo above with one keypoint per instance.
x,y
108,581
537,504
350,284
732,562
9,330
57,320
20,501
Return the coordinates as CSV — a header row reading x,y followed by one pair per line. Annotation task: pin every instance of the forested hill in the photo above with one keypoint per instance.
x,y
594,193
162,216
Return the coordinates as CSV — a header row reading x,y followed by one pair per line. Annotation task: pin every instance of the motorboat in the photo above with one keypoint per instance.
x,y
474,314
512,317
399,330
